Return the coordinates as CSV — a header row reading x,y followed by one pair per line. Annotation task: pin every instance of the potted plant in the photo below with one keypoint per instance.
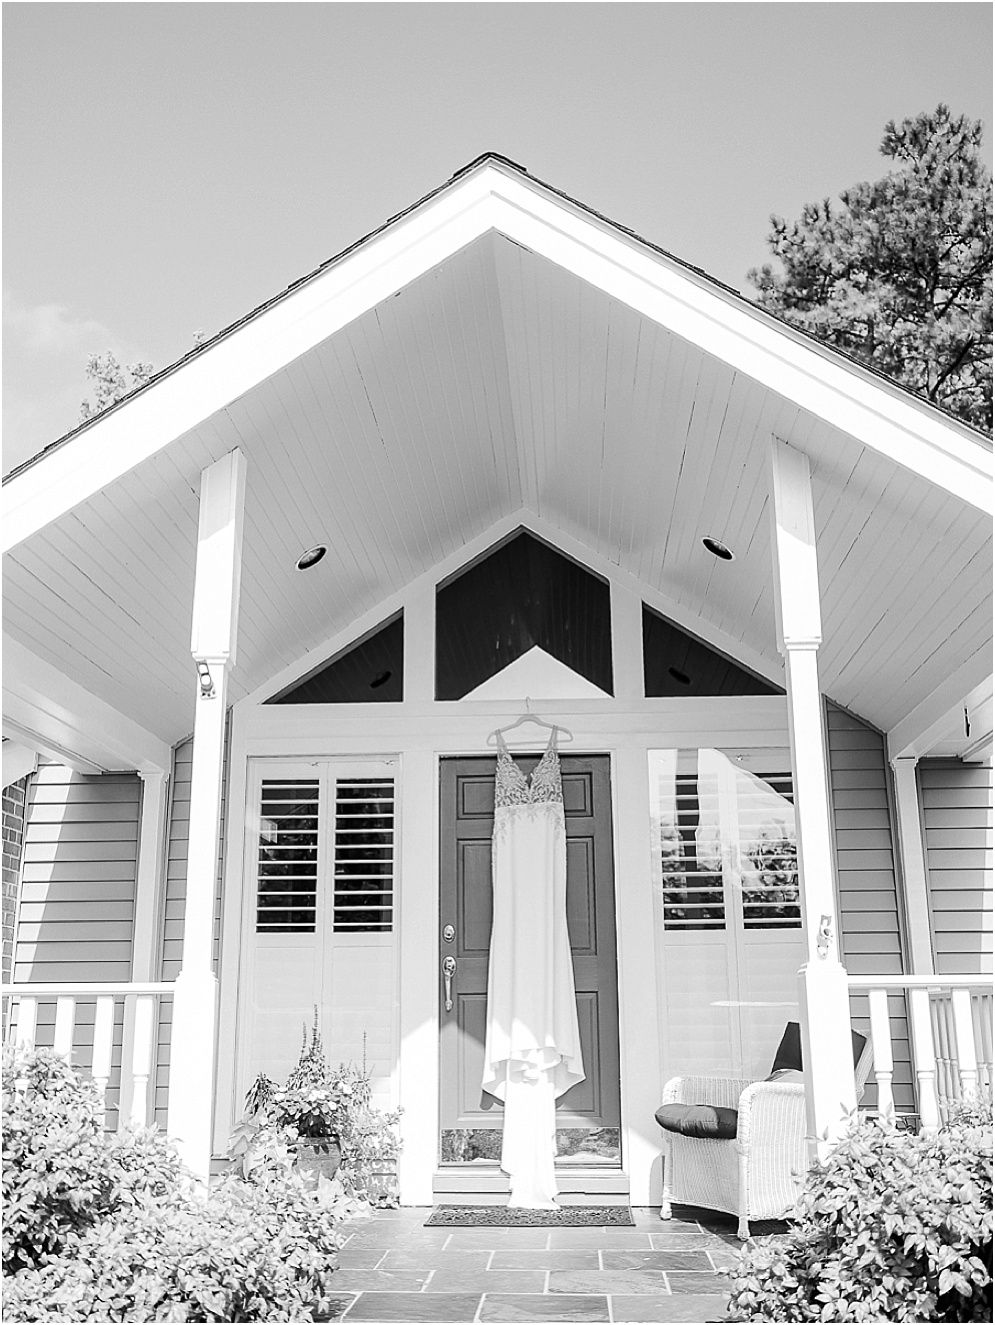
x,y
326,1119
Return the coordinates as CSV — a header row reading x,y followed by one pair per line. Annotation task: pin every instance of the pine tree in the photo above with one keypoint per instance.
x,y
900,275
110,382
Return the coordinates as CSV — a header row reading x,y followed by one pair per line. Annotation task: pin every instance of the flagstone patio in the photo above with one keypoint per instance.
x,y
394,1269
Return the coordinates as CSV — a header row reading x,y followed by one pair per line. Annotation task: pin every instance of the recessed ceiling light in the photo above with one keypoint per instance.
x,y
311,557
680,677
718,549
381,679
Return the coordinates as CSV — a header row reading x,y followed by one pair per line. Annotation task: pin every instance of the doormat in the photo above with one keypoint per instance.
x,y
499,1216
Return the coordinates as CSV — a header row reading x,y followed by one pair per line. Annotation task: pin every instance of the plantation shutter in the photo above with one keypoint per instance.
x,y
725,851
320,865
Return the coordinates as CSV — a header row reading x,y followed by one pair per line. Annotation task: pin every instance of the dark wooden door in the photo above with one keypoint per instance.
x,y
467,819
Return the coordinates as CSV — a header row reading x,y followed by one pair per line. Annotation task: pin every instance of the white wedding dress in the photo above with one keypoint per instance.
x,y
532,1050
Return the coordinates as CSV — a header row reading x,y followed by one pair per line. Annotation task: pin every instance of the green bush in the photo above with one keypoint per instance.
x,y
61,1175
322,1105
892,1226
115,1229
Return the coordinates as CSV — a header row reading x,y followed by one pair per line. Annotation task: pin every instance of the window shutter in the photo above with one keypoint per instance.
x,y
287,871
363,895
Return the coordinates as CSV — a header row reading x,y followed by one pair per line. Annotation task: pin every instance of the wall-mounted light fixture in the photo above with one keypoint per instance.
x,y
206,680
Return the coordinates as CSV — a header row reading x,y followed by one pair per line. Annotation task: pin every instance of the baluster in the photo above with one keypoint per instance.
x,y
65,1016
981,1007
103,1039
924,1055
946,1089
141,1058
884,1065
967,1060
27,1018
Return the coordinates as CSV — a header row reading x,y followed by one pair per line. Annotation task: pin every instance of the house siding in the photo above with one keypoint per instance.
x,y
870,917
14,801
957,827
77,906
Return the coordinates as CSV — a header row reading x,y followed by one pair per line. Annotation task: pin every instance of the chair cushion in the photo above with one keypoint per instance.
x,y
789,1051
704,1121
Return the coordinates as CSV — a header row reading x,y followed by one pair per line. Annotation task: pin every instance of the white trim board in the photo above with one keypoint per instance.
x,y
493,197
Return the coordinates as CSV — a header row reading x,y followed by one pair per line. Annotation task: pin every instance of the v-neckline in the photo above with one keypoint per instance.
x,y
528,778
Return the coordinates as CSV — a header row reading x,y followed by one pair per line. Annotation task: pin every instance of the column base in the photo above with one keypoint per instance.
x,y
827,1054
191,1069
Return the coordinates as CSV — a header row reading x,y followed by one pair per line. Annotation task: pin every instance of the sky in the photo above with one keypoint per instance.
x,y
167,167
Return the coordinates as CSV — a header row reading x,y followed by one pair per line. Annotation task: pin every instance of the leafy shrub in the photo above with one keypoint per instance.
x,y
892,1226
323,1106
61,1174
115,1229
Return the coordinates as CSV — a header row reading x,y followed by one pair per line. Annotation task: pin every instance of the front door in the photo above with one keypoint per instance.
x,y
587,1115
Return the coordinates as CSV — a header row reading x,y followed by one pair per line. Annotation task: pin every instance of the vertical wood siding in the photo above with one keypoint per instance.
x,y
957,823
77,909
171,955
870,928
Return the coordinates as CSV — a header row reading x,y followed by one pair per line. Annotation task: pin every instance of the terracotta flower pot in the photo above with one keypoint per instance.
x,y
317,1156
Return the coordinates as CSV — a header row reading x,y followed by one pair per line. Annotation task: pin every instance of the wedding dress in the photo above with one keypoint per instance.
x,y
532,1049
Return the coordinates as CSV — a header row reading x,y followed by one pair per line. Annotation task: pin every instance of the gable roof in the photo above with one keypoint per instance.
x,y
499,349
496,179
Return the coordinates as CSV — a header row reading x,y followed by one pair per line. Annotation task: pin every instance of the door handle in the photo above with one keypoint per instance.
x,y
448,971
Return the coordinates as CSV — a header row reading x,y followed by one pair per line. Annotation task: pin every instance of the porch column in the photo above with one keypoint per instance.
x,y
213,640
824,996
913,858
145,948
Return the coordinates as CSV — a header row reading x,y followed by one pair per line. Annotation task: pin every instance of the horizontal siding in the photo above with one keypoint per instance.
x,y
76,918
870,928
957,825
78,892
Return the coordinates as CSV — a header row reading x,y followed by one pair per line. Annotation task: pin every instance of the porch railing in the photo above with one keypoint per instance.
x,y
950,1038
122,1064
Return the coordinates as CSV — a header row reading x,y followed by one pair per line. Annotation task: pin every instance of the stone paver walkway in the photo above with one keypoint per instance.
x,y
394,1269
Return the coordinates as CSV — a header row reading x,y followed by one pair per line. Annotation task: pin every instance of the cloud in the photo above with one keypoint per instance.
x,y
45,347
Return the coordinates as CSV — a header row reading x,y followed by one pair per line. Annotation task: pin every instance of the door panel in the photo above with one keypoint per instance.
x,y
466,903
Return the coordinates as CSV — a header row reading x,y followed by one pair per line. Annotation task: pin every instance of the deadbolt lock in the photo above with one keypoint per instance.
x,y
449,933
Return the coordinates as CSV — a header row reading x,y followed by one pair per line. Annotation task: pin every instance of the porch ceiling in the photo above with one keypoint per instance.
x,y
496,382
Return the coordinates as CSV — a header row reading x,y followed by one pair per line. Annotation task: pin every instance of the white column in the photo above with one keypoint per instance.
x,y
213,640
627,643
419,645
638,1004
418,997
913,858
825,1004
145,944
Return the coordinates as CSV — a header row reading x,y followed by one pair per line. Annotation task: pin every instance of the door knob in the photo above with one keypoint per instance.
x,y
448,971
449,933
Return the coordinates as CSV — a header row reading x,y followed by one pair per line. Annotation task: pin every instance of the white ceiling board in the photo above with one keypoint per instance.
x,y
497,382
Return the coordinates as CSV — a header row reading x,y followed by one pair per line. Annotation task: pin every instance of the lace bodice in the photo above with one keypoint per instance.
x,y
512,787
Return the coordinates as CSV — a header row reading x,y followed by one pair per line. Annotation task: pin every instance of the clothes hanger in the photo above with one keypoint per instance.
x,y
529,716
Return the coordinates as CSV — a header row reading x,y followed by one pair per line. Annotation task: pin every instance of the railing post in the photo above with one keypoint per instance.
x,y
884,1064
103,1042
967,1059
27,1017
924,1055
141,1060
65,1015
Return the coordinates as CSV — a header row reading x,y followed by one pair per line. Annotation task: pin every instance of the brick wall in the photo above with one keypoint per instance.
x,y
13,841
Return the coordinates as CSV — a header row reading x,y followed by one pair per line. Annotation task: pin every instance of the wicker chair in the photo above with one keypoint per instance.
x,y
755,1167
